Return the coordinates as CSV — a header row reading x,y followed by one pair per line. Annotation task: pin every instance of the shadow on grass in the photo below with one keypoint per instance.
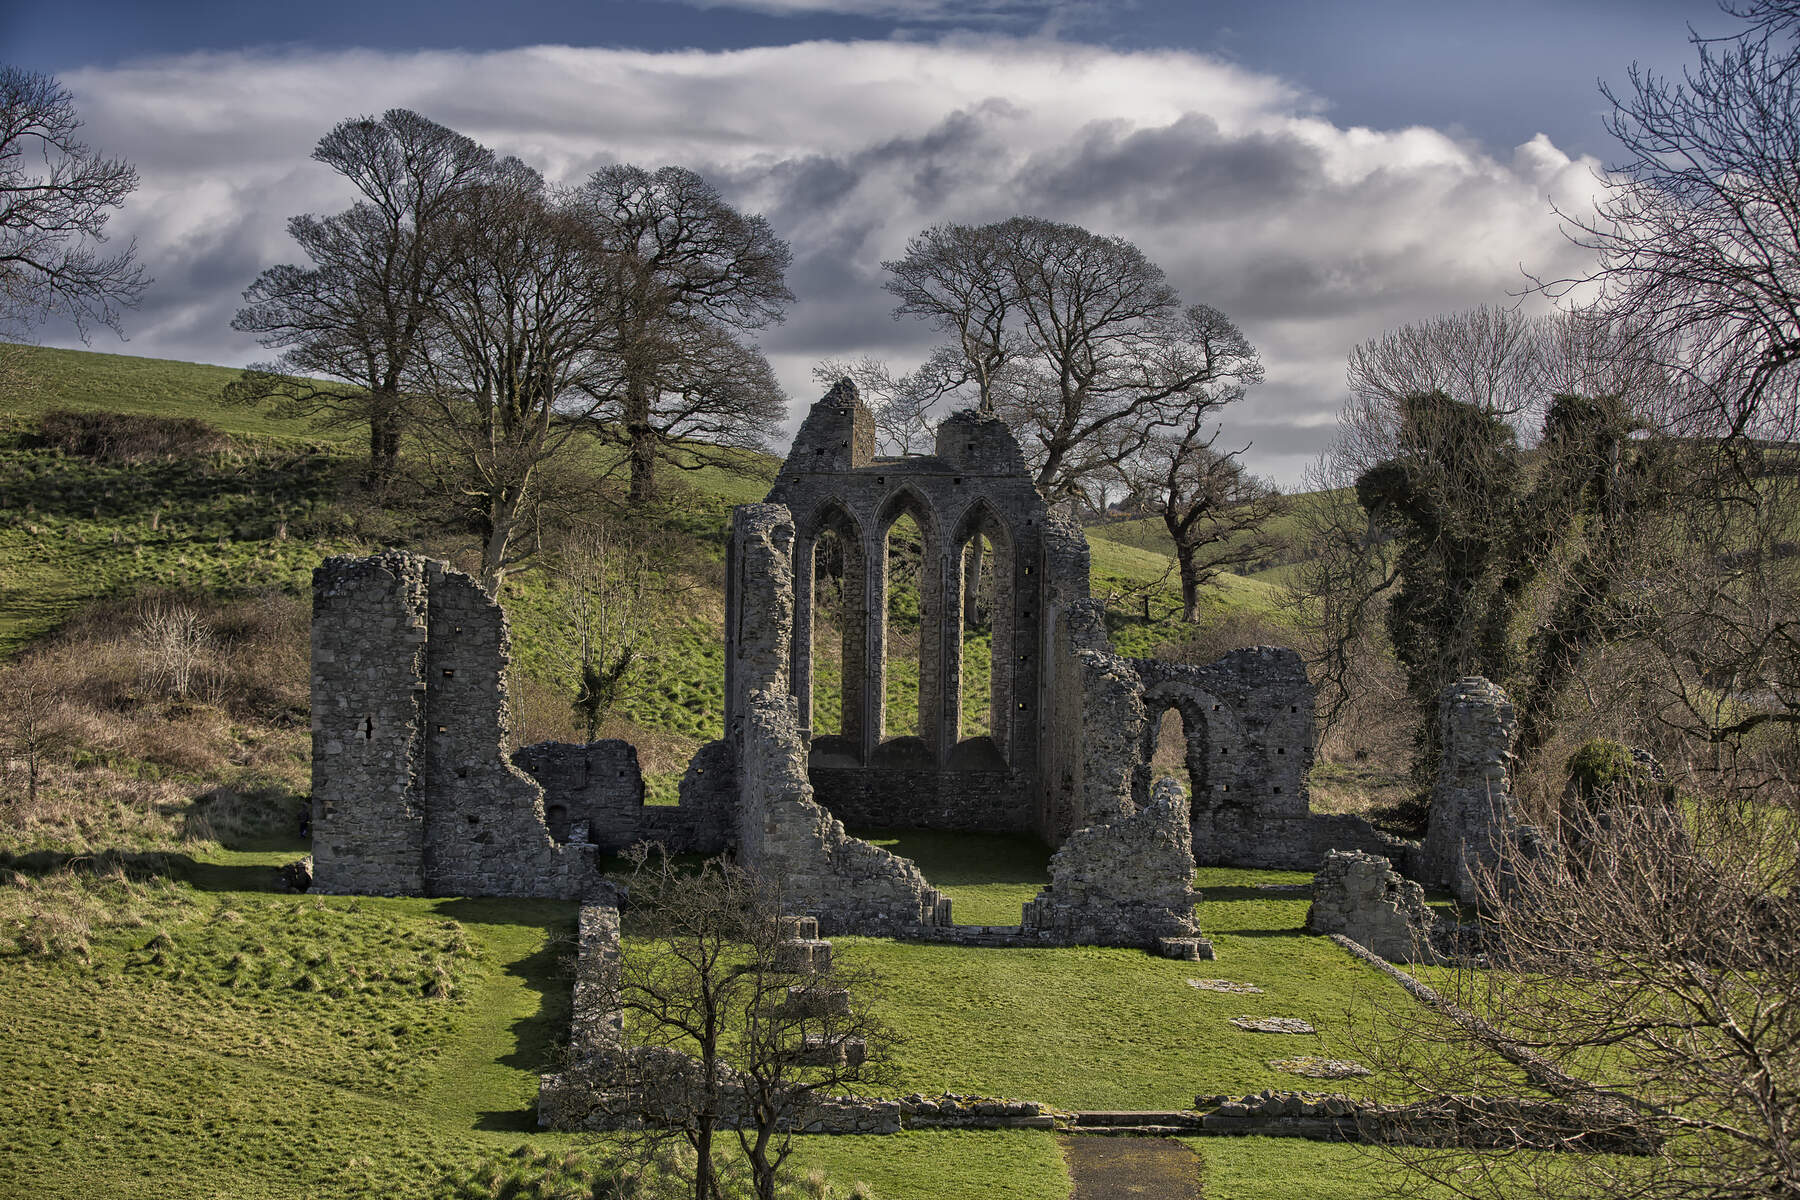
x,y
1231,892
127,493
548,971
951,859
150,864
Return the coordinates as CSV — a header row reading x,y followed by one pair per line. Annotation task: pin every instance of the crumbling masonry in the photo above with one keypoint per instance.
x,y
414,793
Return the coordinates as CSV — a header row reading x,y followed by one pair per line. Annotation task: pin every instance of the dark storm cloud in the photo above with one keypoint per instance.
x,y
1185,170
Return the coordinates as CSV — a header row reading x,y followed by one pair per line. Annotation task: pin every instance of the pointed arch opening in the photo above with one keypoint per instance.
x,y
1176,743
911,611
983,625
831,635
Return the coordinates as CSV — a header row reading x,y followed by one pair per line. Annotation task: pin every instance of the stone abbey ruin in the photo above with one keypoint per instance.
x,y
413,791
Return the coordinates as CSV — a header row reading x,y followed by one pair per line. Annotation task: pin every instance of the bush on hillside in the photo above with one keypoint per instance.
x,y
125,437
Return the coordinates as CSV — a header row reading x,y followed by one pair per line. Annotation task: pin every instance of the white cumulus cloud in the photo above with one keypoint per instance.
x,y
1312,236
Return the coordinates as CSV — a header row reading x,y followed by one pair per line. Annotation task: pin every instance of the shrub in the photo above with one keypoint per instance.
x,y
125,437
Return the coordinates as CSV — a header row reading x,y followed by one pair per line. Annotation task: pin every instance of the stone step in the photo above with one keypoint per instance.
x,y
1138,1131
803,957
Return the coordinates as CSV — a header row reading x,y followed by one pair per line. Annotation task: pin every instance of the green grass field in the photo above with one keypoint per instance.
x,y
219,1039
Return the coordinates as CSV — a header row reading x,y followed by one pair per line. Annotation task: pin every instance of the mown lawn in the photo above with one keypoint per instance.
x,y
221,1040
247,1044
1090,1027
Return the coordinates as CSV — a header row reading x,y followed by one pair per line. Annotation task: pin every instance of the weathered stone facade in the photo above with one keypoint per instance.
x,y
410,659
595,793
975,485
846,884
1472,816
412,790
1362,897
1126,883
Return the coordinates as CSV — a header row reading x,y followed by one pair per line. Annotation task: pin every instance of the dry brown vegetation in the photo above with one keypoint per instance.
x,y
125,437
159,722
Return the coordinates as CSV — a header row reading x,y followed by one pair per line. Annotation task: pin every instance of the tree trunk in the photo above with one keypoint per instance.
x,y
762,1172
640,440
390,446
705,1186
377,441
503,511
1190,583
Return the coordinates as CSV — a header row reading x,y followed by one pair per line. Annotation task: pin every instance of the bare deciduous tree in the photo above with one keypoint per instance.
x,y
1216,514
34,718
177,643
614,585
1441,538
723,1038
1646,974
961,279
1696,238
56,195
351,325
1076,339
516,353
690,270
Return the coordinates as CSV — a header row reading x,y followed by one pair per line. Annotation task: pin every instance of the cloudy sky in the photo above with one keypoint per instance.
x,y
1320,170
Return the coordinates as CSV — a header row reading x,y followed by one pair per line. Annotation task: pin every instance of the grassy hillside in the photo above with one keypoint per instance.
x,y
1150,534
256,513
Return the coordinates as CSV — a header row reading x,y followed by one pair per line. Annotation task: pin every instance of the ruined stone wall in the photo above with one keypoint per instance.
x,y
995,801
414,654
1092,738
1125,883
485,832
1248,723
974,485
759,607
368,725
599,783
1362,897
705,820
1472,814
595,793
1071,623
848,885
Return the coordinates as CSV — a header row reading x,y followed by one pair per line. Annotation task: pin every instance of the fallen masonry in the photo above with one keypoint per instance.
x,y
1315,1067
1362,897
1273,1025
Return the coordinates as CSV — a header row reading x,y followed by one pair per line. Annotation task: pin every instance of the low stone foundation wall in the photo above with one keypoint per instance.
x,y
1318,1116
595,1020
1453,1121
570,1108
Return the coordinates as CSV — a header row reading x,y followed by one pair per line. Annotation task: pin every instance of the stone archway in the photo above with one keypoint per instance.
x,y
1215,749
1196,750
